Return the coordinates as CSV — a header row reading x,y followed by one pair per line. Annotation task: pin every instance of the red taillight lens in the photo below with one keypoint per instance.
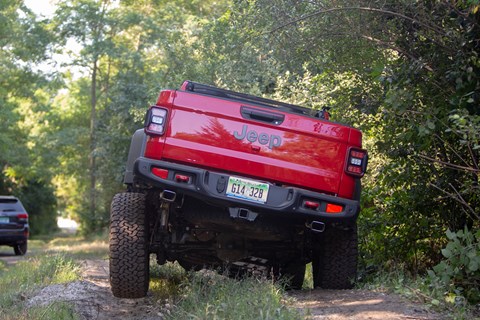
x,y
356,162
22,216
333,208
161,173
155,121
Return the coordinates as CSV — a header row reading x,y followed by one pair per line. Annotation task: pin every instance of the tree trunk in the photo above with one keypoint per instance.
x,y
93,142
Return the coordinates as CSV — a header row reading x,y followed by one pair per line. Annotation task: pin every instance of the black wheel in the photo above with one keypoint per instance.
x,y
20,248
335,255
294,274
129,255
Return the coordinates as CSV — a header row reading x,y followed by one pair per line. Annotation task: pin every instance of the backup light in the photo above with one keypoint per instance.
x,y
155,120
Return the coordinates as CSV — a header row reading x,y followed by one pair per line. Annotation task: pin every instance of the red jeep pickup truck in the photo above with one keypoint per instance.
x,y
227,180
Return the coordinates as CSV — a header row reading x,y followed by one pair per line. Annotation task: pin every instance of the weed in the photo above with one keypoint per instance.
x,y
209,295
20,280
418,289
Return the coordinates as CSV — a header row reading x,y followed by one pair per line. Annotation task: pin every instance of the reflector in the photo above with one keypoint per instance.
x,y
333,208
161,173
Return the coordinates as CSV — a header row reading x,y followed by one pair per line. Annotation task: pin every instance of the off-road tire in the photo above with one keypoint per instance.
x,y
129,254
335,255
20,249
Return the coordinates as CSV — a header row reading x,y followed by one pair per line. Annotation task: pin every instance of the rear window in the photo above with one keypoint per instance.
x,y
10,205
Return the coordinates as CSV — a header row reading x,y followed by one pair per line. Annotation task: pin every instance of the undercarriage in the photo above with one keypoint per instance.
x,y
197,234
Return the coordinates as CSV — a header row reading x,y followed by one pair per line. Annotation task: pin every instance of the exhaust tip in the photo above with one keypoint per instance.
x,y
168,195
317,226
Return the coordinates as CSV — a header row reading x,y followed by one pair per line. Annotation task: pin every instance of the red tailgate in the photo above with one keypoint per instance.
x,y
220,135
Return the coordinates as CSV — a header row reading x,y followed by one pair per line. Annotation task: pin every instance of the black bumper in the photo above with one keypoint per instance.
x,y
211,187
10,237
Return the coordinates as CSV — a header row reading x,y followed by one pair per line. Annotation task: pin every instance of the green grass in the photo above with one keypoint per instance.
x,y
80,248
209,295
308,281
19,280
48,261
57,310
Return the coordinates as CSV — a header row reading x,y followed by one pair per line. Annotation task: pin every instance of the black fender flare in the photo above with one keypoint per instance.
x,y
137,149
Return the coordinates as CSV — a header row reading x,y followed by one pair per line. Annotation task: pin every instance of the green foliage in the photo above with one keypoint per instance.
x,y
39,201
459,272
23,40
209,295
56,310
420,289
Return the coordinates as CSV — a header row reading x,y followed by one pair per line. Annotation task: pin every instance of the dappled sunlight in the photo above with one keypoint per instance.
x,y
356,304
365,302
96,246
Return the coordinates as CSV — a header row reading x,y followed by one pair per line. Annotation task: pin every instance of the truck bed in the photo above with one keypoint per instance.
x,y
268,143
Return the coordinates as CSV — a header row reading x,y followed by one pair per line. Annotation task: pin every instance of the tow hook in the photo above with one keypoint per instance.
x,y
316,226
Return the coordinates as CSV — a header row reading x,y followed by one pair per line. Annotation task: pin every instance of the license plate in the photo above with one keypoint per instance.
x,y
4,219
249,190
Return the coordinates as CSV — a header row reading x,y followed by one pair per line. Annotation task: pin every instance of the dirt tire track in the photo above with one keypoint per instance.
x,y
359,305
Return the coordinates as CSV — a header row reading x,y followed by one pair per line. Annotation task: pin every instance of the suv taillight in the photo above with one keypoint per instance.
x,y
356,162
155,121
22,216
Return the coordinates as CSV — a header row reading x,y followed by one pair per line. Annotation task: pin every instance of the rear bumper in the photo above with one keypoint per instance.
x,y
211,187
12,237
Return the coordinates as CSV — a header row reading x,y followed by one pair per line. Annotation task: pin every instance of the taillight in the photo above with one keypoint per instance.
x,y
155,120
161,173
356,162
22,216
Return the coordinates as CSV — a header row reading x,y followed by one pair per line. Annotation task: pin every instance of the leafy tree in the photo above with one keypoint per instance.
x,y
406,73
23,40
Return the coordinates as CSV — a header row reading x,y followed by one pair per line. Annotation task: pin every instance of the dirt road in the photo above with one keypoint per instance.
x,y
93,300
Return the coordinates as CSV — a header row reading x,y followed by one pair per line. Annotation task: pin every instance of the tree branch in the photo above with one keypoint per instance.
x,y
449,165
458,198
387,45
316,13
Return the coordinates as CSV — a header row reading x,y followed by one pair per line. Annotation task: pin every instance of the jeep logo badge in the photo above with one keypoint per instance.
x,y
264,139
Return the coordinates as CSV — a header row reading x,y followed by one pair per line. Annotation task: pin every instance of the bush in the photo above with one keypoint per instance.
x,y
459,273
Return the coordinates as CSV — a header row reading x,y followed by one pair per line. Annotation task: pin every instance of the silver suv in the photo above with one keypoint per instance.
x,y
14,230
